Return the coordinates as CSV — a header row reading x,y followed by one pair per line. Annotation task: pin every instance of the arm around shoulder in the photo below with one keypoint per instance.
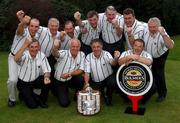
x,y
20,52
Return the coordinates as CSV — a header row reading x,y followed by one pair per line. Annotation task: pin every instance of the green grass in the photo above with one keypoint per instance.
x,y
174,53
165,112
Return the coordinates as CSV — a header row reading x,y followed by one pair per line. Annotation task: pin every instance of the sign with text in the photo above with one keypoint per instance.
x,y
134,79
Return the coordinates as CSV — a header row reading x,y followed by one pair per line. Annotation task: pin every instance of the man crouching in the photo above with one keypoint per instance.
x,y
32,65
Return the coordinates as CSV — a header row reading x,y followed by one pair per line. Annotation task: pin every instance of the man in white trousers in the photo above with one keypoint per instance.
x,y
27,27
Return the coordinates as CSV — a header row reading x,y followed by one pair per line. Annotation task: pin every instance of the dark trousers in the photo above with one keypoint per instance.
x,y
119,45
52,62
86,49
28,96
148,95
158,70
62,90
106,87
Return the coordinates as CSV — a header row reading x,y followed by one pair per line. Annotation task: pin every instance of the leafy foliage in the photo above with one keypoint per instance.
x,y
167,10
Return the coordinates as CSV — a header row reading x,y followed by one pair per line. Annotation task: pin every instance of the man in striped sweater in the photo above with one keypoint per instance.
x,y
32,63
89,29
111,23
158,43
140,55
27,27
68,71
133,29
98,71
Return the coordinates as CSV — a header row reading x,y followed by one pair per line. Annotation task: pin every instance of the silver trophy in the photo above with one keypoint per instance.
x,y
88,101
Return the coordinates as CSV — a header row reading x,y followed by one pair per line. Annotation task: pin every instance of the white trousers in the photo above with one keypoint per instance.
x,y
13,77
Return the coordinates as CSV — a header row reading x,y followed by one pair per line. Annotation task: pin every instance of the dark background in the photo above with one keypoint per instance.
x,y
167,10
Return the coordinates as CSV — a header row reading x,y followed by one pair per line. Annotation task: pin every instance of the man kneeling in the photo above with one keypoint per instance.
x,y
32,63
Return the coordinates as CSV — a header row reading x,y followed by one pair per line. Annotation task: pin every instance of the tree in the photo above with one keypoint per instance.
x,y
8,21
168,11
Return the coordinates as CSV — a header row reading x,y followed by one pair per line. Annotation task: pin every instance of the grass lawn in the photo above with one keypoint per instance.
x,y
165,112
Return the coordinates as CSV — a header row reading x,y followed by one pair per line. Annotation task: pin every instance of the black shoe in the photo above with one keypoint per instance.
x,y
108,101
160,99
11,103
43,105
40,102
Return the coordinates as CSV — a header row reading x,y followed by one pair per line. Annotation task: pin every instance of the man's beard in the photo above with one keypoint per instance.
x,y
153,35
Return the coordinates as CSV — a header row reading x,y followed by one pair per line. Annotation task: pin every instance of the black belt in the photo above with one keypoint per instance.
x,y
12,54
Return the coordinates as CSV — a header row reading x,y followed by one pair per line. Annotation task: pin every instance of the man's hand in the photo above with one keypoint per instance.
x,y
66,75
62,35
28,41
83,28
129,30
135,57
129,59
77,16
86,84
56,43
116,54
24,22
115,23
161,30
47,80
20,14
26,19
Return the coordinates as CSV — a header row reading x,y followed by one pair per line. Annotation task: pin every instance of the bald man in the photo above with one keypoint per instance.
x,y
69,70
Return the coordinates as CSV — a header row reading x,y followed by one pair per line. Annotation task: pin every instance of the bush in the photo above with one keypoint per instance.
x,y
167,10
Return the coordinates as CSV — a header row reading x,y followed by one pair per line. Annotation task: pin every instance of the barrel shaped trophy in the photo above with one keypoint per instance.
x,y
88,101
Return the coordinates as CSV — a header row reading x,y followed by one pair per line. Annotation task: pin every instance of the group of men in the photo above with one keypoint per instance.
x,y
87,54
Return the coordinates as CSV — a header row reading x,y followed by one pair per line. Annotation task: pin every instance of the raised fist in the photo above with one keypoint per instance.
x,y
114,22
20,14
77,15
62,35
161,30
28,41
29,38
116,54
26,19
129,30
56,42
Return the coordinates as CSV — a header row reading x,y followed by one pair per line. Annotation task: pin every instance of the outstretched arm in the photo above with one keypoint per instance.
x,y
117,27
77,17
24,22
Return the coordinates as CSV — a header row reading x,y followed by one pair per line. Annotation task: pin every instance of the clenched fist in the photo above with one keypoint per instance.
x,y
77,15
